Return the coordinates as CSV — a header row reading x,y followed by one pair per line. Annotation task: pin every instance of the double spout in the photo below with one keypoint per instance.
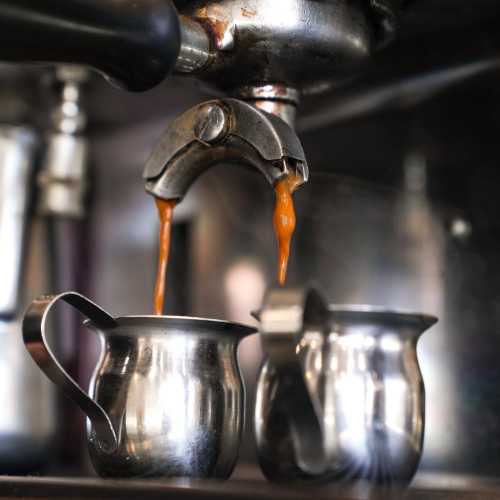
x,y
223,131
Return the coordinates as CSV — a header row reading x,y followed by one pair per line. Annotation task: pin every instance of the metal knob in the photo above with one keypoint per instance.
x,y
212,125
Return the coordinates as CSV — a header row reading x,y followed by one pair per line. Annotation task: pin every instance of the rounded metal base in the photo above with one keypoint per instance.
x,y
298,43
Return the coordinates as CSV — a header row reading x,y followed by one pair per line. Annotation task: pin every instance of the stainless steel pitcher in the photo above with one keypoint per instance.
x,y
166,398
341,396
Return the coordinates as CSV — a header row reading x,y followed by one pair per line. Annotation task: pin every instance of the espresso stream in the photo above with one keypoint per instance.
x,y
284,221
166,212
284,226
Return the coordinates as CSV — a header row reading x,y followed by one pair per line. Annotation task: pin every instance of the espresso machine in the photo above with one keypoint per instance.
x,y
247,79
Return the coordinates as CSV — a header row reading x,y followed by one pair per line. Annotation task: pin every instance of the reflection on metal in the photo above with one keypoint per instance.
x,y
195,51
353,240
341,396
298,42
279,100
17,155
226,131
168,399
62,181
135,45
28,418
63,176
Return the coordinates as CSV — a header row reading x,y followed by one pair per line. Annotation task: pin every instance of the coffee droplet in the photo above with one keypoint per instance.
x,y
284,221
166,212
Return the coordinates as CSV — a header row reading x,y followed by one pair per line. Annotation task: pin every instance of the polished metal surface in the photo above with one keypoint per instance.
x,y
28,416
363,234
166,398
278,100
269,92
212,125
17,155
195,51
282,109
134,45
298,42
225,131
301,43
341,395
62,179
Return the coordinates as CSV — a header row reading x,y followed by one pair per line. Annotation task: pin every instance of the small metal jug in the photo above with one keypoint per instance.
x,y
340,396
166,398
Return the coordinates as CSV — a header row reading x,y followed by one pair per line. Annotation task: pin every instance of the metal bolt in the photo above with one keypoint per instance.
x,y
212,124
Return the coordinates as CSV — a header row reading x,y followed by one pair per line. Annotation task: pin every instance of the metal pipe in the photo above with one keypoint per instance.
x,y
63,175
277,99
195,51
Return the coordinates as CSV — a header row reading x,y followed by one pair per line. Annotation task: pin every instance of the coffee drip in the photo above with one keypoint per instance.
x,y
284,221
165,212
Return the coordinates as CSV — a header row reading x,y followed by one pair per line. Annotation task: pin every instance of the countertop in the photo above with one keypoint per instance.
x,y
31,487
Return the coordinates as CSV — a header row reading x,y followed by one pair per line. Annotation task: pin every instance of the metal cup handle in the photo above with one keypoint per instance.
x,y
286,314
34,336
